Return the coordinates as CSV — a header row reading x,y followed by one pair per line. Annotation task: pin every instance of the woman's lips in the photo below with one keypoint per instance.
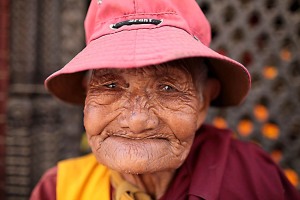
x,y
135,136
131,140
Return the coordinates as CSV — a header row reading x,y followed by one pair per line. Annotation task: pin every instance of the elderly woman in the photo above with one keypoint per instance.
x,y
153,78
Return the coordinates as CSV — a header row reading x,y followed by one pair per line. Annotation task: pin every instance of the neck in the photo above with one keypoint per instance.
x,y
155,184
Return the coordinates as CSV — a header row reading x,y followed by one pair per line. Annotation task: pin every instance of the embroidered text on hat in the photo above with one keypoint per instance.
x,y
135,22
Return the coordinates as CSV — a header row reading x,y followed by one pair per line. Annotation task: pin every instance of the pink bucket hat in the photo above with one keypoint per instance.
x,y
138,33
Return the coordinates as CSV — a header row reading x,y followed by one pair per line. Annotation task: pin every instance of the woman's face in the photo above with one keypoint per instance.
x,y
142,120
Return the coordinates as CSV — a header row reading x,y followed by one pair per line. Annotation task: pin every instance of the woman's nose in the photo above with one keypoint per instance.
x,y
140,121
138,118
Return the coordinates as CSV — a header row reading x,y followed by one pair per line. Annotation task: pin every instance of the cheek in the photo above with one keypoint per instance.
x,y
182,118
93,122
97,117
184,125
100,110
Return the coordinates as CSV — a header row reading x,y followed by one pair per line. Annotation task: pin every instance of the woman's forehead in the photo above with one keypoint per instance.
x,y
154,70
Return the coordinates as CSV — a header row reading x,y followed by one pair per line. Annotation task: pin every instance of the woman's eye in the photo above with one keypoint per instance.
x,y
168,88
111,85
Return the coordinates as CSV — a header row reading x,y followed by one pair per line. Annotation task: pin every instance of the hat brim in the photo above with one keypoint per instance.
x,y
143,47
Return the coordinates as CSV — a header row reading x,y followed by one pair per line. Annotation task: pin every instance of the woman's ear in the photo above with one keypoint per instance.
x,y
212,89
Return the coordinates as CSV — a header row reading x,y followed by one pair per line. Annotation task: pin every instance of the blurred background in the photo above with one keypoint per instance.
x,y
39,37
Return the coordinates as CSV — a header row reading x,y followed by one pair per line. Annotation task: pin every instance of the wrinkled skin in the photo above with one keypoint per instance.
x,y
143,121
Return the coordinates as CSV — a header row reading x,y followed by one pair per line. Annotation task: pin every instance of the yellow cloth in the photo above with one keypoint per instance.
x,y
125,190
82,179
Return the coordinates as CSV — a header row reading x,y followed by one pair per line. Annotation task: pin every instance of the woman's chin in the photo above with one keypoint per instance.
x,y
137,156
129,166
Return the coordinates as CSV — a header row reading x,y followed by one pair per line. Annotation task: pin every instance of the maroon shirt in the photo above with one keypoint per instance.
x,y
217,167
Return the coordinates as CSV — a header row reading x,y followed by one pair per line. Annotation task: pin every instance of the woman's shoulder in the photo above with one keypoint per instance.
x,y
246,169
71,176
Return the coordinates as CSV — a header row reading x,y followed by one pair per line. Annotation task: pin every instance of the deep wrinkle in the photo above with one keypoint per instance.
x,y
142,122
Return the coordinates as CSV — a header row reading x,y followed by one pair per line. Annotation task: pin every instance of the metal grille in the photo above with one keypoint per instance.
x,y
262,34
41,130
